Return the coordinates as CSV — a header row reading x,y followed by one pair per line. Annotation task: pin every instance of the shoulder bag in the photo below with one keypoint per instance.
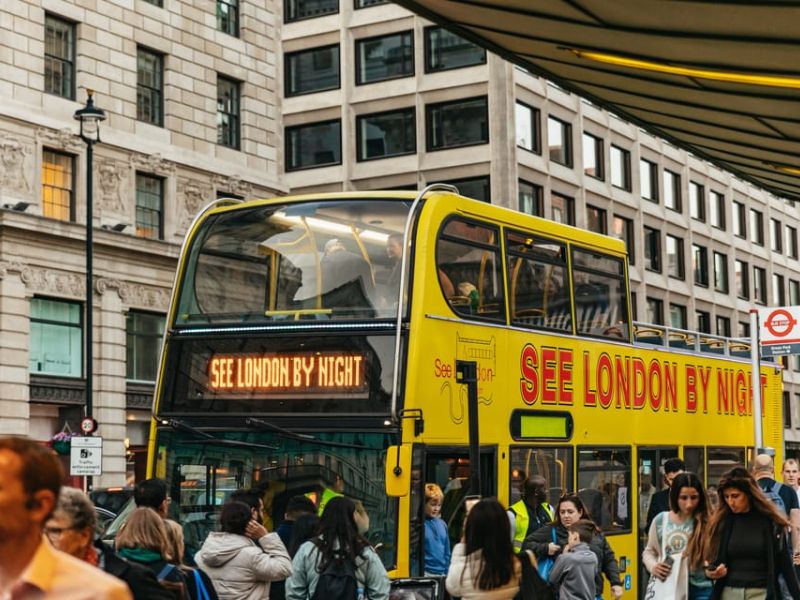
x,y
668,588
546,564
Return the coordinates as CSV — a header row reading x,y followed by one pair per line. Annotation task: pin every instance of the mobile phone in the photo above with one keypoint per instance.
x,y
470,501
713,566
668,560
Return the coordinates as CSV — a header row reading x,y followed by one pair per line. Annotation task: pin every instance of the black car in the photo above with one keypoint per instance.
x,y
112,498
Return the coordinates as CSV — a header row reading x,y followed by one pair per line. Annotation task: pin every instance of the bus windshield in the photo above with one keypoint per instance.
x,y
306,260
202,473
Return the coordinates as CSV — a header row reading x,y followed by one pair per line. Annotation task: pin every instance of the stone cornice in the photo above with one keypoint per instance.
x,y
136,294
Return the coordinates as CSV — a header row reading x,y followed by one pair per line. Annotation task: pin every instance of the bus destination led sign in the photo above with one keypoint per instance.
x,y
300,372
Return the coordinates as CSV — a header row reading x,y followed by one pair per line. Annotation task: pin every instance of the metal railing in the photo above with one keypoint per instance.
x,y
693,341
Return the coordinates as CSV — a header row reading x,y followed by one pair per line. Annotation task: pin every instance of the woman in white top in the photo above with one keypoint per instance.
x,y
483,565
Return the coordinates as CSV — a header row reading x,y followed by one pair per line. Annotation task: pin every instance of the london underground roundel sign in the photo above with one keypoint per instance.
x,y
779,330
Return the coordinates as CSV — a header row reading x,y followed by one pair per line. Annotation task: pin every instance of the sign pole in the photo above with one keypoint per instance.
x,y
755,366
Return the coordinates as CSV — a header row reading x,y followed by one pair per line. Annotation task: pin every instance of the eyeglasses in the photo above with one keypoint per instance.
x,y
56,532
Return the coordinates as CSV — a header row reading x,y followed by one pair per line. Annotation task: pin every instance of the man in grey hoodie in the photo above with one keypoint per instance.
x,y
575,569
243,558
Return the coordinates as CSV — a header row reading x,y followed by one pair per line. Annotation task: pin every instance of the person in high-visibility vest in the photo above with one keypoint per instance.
x,y
327,494
531,512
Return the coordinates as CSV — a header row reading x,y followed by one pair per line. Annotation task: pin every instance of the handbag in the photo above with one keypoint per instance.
x,y
202,592
531,585
546,564
668,588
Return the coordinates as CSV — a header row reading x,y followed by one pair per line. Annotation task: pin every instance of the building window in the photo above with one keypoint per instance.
x,y
739,220
721,272
717,207
56,338
703,321
634,306
760,285
675,262
655,311
596,219
297,10
58,185
59,57
473,187
787,410
368,3
776,236
756,227
228,16
697,201
742,279
652,249
457,123
593,156
723,326
381,135
149,206
700,264
445,50
385,57
228,112
559,141
149,86
155,3
620,168
791,241
622,229
562,209
677,316
143,332
648,180
778,290
744,329
672,191
312,70
531,198
314,145
794,292
527,122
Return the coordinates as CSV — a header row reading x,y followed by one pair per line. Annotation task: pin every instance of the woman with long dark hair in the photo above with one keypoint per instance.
x,y
483,565
681,531
747,543
337,543
551,539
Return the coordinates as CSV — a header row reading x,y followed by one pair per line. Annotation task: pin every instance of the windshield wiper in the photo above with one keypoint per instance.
x,y
303,437
208,438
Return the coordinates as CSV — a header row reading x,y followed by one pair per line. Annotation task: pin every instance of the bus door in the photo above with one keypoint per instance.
x,y
650,464
449,468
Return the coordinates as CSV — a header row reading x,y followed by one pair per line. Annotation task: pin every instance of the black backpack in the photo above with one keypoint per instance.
x,y
337,581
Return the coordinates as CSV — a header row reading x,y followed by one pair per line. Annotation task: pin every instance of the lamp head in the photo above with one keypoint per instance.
x,y
90,117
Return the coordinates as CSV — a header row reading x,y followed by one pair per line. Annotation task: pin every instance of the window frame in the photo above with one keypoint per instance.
x,y
776,236
676,197
535,132
791,242
405,35
700,265
725,288
478,178
157,92
288,147
537,198
234,7
629,238
565,148
683,317
652,170
234,140
681,258
141,207
756,227
739,220
602,218
655,264
361,120
80,326
427,48
71,27
597,144
726,325
156,338
697,203
760,292
741,274
287,4
569,208
628,479
716,205
71,190
429,129
625,157
652,303
287,77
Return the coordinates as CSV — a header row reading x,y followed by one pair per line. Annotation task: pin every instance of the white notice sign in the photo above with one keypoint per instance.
x,y
86,456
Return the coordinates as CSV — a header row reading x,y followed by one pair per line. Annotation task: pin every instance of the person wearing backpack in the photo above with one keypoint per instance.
x,y
783,496
338,564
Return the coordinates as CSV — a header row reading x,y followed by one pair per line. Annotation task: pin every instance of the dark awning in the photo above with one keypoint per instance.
x,y
721,79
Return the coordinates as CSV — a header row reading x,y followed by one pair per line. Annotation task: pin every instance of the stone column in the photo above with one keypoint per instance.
x,y
14,344
109,381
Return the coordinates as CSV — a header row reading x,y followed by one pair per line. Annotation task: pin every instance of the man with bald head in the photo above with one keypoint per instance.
x,y
764,472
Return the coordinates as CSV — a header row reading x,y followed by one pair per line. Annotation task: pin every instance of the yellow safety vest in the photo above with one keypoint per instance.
x,y
522,520
327,495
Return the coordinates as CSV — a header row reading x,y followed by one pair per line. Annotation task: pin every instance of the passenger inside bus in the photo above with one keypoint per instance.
x,y
347,279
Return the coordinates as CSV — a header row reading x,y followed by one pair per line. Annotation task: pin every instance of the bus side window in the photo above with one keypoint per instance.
x,y
604,478
601,307
554,464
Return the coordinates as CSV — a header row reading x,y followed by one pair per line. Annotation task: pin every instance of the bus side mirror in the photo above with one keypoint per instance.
x,y
398,470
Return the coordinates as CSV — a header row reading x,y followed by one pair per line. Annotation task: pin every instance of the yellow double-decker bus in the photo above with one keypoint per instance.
x,y
336,344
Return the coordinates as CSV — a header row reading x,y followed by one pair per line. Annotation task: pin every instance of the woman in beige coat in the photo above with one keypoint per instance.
x,y
677,540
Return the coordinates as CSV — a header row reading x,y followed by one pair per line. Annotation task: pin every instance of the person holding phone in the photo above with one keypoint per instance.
x,y
680,532
747,543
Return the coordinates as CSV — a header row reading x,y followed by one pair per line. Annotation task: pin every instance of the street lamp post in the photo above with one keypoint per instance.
x,y
89,117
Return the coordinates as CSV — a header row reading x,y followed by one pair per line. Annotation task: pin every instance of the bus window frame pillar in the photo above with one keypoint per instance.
x,y
467,374
89,118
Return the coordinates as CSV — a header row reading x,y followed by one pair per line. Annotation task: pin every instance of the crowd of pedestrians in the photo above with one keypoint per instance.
x,y
744,546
